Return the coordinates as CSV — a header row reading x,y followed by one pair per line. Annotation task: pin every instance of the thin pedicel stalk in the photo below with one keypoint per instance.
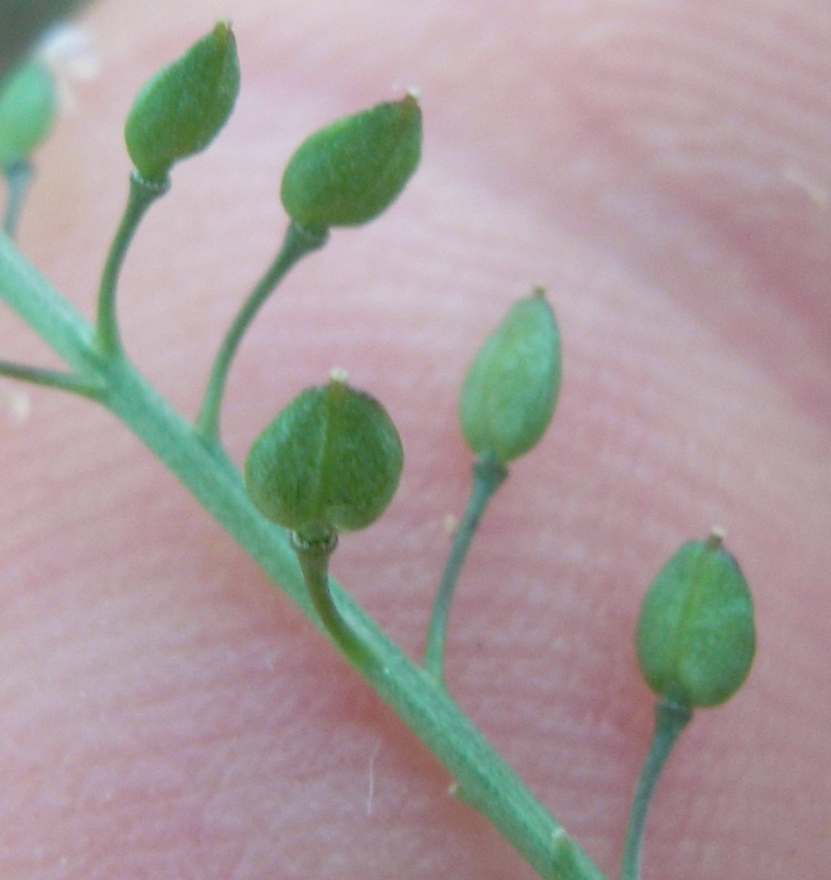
x,y
297,243
57,379
18,176
142,194
314,563
488,476
670,721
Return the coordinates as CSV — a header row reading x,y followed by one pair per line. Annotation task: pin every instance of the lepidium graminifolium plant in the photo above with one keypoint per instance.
x,y
506,403
330,461
695,641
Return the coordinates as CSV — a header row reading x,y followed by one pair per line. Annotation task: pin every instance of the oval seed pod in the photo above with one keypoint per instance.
x,y
696,635
181,109
510,390
28,105
350,171
329,462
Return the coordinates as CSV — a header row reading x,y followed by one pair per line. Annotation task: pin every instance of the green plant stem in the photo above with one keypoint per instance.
x,y
670,721
482,776
488,476
18,177
314,557
142,194
296,244
56,379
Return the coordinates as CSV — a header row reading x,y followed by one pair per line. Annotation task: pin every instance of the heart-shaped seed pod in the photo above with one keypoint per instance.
x,y
329,462
350,171
696,635
510,390
181,109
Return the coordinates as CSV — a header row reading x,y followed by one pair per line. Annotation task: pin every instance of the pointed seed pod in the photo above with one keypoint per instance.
x,y
329,462
350,171
510,390
696,635
181,109
28,105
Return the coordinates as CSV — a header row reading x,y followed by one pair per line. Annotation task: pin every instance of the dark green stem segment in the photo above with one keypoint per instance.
x,y
313,557
296,244
670,721
18,176
142,194
488,476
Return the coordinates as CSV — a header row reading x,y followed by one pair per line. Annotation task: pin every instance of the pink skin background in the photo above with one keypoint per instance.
x,y
664,169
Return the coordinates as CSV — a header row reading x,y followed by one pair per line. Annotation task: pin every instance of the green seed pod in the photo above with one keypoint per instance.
x,y
350,171
28,105
510,390
696,636
329,462
181,109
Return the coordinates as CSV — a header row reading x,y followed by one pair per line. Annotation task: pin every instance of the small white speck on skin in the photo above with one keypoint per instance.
x,y
338,374
816,190
450,524
15,405
453,789
371,792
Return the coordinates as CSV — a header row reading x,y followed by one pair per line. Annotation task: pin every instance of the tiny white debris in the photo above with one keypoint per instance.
x,y
399,86
453,789
16,405
339,374
817,191
371,793
450,524
716,537
718,533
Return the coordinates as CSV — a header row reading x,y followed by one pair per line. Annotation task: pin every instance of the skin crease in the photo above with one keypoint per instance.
x,y
664,170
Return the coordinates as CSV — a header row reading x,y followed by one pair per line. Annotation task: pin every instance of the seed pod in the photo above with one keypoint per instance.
x,y
330,461
510,390
181,109
696,636
350,171
28,105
